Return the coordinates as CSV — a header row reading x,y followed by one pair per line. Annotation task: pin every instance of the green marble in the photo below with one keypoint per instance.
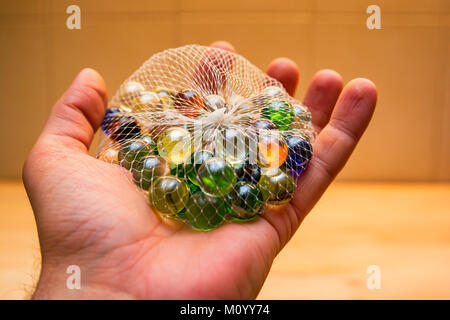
x,y
216,177
148,169
279,112
197,159
193,189
149,140
178,170
204,212
168,195
277,187
244,202
132,152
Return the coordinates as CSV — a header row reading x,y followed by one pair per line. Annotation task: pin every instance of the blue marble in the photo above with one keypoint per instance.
x,y
109,116
119,127
249,172
299,155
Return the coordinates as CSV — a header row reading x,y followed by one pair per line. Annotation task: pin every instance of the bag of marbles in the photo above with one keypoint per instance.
x,y
207,136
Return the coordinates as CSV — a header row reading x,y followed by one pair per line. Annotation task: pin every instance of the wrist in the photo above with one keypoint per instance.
x,y
65,281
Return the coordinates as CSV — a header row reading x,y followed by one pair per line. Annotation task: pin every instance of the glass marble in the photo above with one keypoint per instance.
x,y
299,153
148,169
205,212
277,187
214,102
197,159
302,116
110,115
178,170
121,128
249,172
244,202
193,188
273,92
272,151
280,112
175,145
264,124
149,140
168,195
130,91
147,101
167,97
189,102
232,145
110,154
132,152
216,177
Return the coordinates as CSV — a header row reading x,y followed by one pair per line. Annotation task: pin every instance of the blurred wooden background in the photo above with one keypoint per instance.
x,y
408,59
401,227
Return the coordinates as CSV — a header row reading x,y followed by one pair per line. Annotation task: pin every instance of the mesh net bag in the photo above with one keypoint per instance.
x,y
207,136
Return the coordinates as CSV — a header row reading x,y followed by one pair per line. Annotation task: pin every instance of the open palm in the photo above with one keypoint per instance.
x,y
89,213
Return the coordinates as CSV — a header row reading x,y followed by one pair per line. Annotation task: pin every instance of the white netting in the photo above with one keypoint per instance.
x,y
207,135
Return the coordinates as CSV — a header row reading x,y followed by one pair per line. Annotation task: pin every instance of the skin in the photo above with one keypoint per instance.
x,y
88,212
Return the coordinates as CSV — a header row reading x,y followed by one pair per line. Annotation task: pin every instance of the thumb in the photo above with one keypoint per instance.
x,y
79,112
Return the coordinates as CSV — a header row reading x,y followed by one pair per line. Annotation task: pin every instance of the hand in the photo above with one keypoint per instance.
x,y
88,213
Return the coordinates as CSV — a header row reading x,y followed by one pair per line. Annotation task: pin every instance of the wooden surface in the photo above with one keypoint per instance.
x,y
404,229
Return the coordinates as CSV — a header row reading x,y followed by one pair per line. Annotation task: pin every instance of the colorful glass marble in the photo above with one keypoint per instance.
x,y
147,101
272,151
232,145
264,124
168,195
249,172
110,154
277,187
193,188
205,212
130,91
148,139
132,152
189,102
121,128
175,145
148,169
216,177
167,97
110,115
244,202
280,112
197,159
299,153
273,92
302,116
178,170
